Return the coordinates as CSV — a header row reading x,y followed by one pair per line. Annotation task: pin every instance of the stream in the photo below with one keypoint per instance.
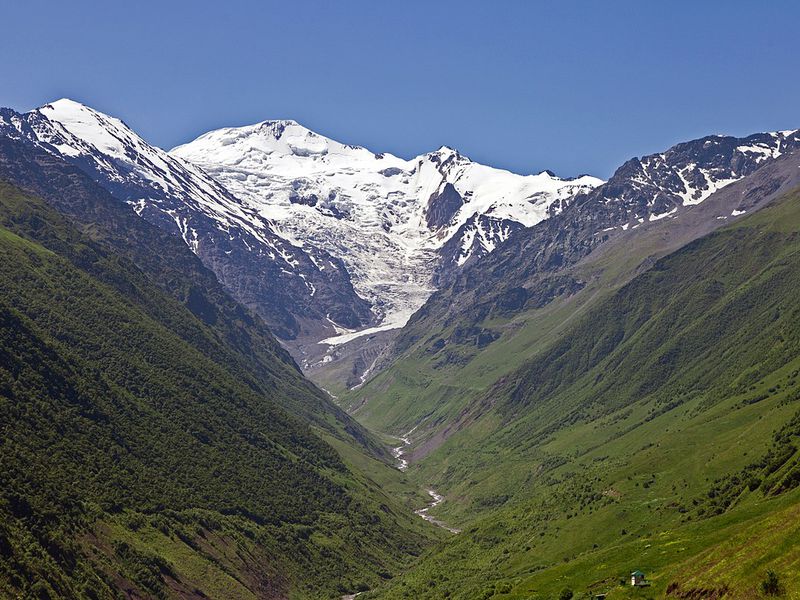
x,y
436,498
397,453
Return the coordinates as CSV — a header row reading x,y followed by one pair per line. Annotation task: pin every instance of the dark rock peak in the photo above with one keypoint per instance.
x,y
688,172
485,232
275,128
390,171
443,206
535,259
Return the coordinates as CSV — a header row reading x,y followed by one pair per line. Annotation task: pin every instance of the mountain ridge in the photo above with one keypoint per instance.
x,y
582,355
316,261
180,198
653,187
324,192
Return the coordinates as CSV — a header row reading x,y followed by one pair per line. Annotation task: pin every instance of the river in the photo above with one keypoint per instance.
x,y
436,498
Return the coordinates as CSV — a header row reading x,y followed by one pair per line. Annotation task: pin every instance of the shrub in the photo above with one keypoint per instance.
x,y
771,586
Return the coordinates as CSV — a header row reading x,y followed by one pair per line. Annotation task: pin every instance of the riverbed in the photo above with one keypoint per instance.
x,y
436,498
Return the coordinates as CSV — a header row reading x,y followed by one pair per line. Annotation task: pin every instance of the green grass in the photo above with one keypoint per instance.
x,y
657,430
144,449
648,422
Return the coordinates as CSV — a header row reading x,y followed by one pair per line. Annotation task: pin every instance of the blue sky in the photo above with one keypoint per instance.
x,y
575,87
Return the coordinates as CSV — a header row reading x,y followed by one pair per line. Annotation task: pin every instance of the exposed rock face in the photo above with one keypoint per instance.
x,y
296,290
160,255
648,189
688,173
443,205
476,238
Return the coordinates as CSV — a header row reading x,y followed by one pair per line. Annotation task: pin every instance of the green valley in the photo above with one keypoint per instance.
x,y
244,357
658,431
139,454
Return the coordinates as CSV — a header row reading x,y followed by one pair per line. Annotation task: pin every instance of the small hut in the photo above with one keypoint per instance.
x,y
638,579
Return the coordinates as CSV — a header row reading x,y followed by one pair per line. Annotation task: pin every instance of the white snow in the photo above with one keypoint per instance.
x,y
292,191
123,156
711,182
393,320
693,195
763,151
369,209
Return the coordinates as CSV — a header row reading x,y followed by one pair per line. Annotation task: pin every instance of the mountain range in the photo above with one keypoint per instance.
x,y
330,242
586,377
323,240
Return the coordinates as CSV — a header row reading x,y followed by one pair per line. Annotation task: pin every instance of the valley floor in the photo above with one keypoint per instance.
x,y
659,432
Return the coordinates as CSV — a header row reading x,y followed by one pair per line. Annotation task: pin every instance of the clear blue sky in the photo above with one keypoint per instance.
x,y
570,86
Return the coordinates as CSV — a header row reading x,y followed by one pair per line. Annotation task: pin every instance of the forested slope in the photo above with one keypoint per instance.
x,y
144,456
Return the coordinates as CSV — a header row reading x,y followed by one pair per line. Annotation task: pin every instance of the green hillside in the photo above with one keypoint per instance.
x,y
97,217
157,441
658,431
142,455
495,315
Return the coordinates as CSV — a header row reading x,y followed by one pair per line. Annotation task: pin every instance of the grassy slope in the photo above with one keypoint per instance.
x,y
97,217
443,362
139,452
602,454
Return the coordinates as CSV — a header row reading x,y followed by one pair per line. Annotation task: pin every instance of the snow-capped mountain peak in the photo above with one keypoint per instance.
x,y
114,151
389,219
285,139
288,217
287,284
107,134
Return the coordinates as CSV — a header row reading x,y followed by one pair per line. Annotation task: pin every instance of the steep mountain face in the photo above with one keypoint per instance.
x,y
650,189
400,226
284,283
157,440
477,237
